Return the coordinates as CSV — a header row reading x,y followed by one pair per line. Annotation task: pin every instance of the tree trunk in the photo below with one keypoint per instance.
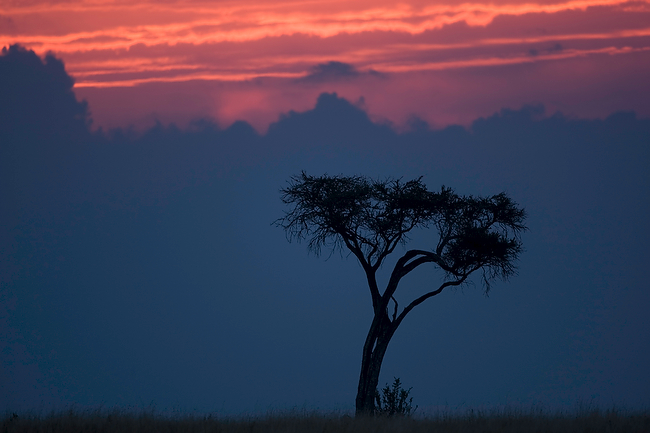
x,y
374,350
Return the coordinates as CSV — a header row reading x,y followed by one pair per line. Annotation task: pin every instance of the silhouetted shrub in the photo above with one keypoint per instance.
x,y
394,401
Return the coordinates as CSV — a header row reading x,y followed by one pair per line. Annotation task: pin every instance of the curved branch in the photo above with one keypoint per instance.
x,y
428,257
409,262
426,296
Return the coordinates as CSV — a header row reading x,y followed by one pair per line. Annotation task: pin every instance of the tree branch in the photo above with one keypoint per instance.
x,y
426,296
408,262
428,257
369,270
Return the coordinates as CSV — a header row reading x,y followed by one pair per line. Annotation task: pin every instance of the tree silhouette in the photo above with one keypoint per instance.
x,y
372,217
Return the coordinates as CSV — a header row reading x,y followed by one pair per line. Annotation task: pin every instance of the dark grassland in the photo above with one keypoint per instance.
x,y
592,421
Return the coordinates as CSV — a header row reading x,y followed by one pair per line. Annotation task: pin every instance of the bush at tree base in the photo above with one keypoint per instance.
x,y
394,401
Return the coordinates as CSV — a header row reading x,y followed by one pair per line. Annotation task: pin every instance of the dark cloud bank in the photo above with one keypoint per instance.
x,y
142,270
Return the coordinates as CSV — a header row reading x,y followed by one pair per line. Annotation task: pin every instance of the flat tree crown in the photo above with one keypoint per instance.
x,y
371,217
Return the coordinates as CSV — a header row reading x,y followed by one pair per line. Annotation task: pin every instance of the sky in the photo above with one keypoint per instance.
x,y
143,147
447,62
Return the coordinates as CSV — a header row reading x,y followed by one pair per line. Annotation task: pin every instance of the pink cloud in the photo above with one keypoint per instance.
x,y
246,58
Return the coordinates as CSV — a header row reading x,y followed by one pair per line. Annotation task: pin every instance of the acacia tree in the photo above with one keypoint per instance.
x,y
371,218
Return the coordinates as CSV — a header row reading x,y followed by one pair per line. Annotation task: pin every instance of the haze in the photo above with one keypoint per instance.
x,y
143,146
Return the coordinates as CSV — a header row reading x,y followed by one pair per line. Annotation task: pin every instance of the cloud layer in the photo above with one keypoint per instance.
x,y
143,269
108,45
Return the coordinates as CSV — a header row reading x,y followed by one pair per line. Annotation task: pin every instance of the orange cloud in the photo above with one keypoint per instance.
x,y
124,44
105,26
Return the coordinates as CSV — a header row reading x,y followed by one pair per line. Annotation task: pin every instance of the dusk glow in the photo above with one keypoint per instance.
x,y
107,45
144,146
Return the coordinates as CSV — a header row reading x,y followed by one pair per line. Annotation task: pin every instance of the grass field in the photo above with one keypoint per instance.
x,y
592,421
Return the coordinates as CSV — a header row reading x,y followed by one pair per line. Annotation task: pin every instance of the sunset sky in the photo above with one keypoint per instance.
x,y
444,62
143,146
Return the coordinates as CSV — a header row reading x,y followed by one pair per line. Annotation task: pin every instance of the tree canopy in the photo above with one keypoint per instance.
x,y
371,217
